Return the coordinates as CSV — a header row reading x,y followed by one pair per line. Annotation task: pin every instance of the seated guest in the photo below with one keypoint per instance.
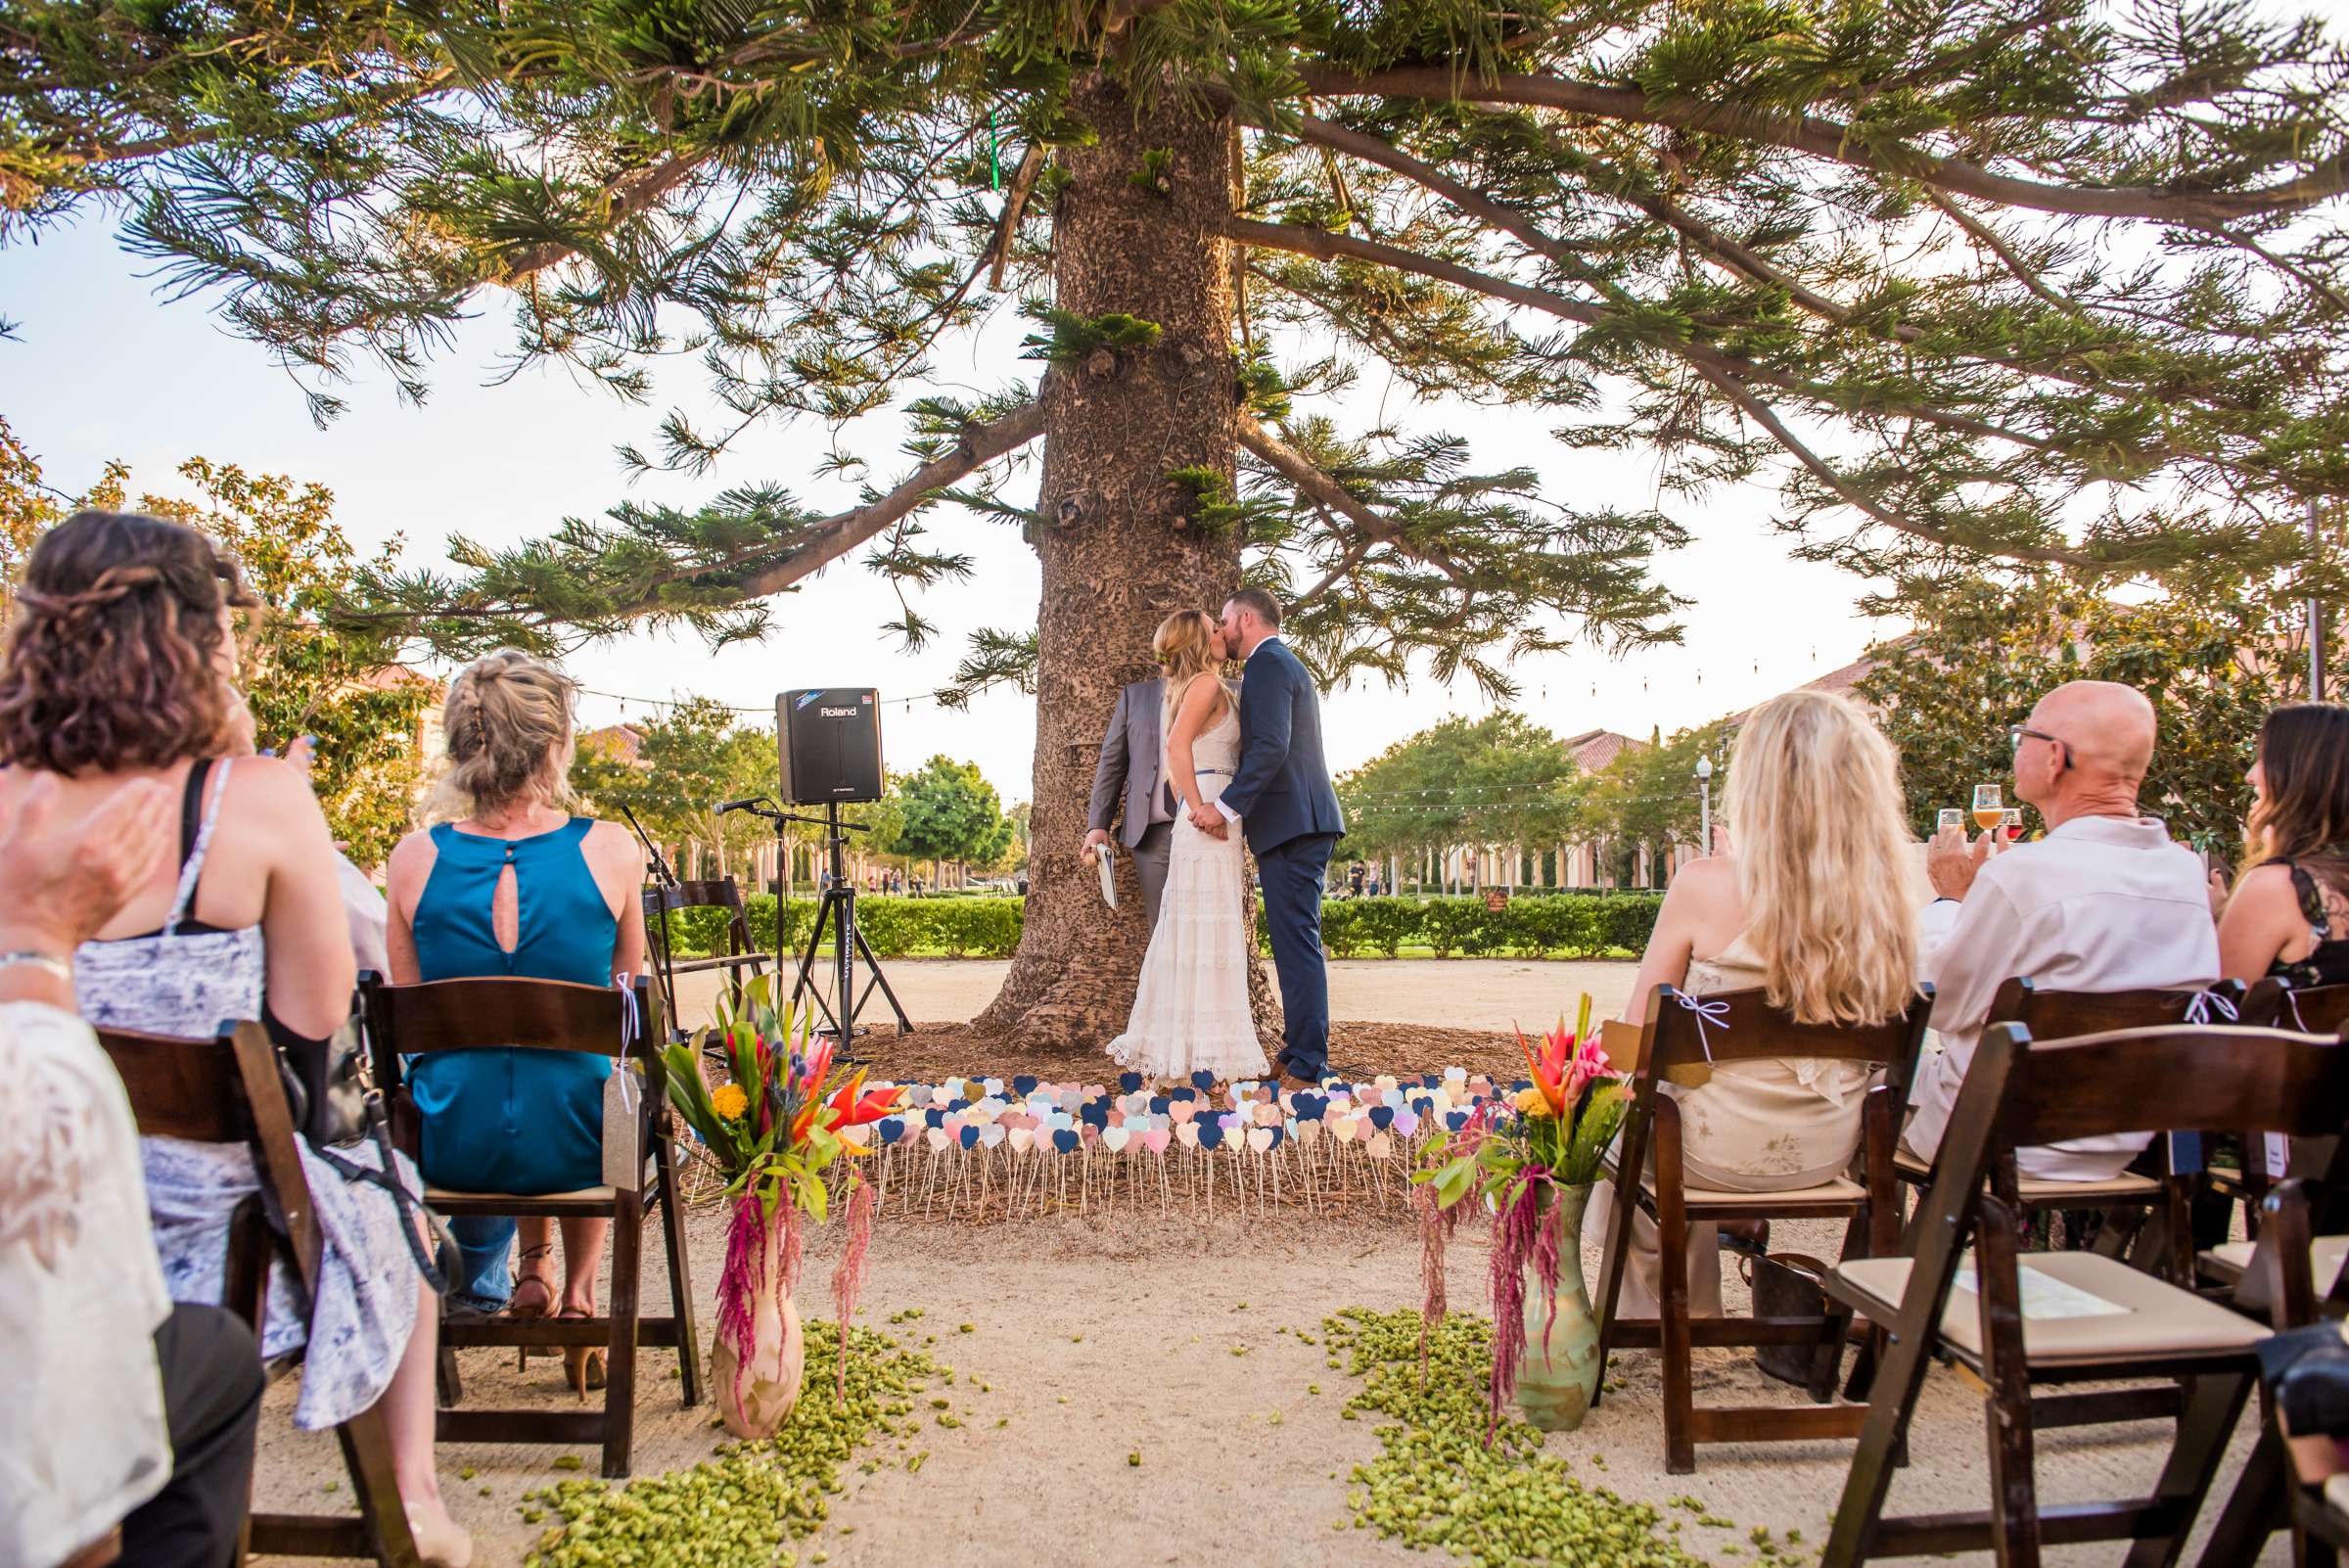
x,y
2289,914
1810,908
117,667
511,884
2105,901
133,1417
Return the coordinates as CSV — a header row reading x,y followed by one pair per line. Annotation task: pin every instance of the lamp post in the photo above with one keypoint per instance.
x,y
1704,806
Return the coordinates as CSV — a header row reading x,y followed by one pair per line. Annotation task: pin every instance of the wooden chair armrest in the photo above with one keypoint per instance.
x,y
99,1553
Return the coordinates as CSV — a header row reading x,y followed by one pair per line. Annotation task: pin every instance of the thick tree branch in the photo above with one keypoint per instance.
x,y
1834,141
1022,181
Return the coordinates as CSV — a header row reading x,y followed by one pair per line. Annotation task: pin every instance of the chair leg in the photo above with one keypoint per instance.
x,y
367,1456
2212,1407
2259,1506
619,1390
680,1276
447,1380
1679,1399
2006,1408
1892,1395
1828,1360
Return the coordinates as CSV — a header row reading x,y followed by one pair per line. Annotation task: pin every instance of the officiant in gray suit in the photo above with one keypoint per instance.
x,y
1129,773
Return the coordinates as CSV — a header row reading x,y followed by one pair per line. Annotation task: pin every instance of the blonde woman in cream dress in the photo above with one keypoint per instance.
x,y
1813,908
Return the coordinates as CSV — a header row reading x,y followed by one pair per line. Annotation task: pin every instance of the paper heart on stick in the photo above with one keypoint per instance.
x,y
1308,1131
1188,1132
968,1136
1130,1082
1259,1138
1021,1140
1064,1139
1115,1137
1182,1111
1381,1146
893,1128
937,1137
991,1135
1210,1134
1382,1117
1024,1085
1156,1140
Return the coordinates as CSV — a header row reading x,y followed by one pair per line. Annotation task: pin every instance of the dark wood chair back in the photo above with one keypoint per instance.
x,y
1735,1026
2209,1078
2311,1009
228,1091
2061,1014
741,952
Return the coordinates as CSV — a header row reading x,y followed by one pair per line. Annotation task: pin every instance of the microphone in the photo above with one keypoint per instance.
x,y
749,803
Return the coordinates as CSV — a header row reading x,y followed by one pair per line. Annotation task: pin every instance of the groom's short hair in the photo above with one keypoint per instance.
x,y
1266,607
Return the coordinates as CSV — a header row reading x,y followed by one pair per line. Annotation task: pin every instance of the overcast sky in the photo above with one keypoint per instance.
x,y
103,367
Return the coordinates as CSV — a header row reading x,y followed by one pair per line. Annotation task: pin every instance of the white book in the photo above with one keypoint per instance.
x,y
1105,862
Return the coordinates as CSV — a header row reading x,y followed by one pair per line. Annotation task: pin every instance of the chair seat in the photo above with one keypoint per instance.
x,y
433,1195
2150,1320
2324,1259
2128,1186
1837,1194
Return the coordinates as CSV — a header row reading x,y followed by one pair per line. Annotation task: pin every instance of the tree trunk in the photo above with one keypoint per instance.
x,y
1120,547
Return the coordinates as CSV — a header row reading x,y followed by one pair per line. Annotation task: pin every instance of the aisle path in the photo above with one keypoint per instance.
x,y
1448,993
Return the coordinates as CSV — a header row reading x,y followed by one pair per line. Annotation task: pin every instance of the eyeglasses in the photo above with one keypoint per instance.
x,y
2016,734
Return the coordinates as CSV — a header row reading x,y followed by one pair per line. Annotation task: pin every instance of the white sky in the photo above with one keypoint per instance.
x,y
104,368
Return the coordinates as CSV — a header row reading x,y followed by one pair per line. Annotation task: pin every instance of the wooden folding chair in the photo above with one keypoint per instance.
x,y
1972,1310
442,1015
2320,1010
721,893
2152,1186
1735,1026
228,1091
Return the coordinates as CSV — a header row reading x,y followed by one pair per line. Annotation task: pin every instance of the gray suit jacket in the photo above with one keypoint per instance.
x,y
1128,768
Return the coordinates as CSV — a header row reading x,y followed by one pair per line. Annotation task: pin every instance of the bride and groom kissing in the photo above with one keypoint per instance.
x,y
1190,759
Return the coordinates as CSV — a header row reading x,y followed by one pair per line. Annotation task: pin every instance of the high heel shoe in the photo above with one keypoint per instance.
x,y
519,1311
582,1364
444,1543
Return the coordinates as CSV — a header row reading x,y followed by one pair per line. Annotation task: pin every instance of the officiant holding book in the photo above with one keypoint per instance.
x,y
1129,777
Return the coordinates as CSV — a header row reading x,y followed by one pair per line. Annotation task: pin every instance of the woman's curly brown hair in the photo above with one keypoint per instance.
x,y
112,653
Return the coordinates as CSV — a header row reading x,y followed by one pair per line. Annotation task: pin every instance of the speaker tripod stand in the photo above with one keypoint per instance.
x,y
836,912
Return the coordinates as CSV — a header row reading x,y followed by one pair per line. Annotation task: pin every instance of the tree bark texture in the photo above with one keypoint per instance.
x,y
1120,545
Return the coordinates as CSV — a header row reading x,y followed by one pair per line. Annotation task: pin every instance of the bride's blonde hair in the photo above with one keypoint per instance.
x,y
1821,847
1186,645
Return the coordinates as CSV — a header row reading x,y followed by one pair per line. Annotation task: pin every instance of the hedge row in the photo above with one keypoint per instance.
x,y
960,928
1566,925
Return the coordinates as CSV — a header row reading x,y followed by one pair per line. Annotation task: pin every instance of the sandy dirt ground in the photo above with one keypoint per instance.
x,y
1112,1335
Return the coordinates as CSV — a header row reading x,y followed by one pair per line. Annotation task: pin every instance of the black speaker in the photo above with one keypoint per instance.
x,y
828,744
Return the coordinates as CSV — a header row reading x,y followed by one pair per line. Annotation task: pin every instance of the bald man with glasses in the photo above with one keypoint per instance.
x,y
2105,901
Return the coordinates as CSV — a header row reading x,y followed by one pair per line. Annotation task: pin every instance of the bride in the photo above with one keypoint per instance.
x,y
1191,1010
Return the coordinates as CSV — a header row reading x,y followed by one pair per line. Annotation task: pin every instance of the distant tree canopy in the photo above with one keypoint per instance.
x,y
1650,795
688,760
1498,779
948,810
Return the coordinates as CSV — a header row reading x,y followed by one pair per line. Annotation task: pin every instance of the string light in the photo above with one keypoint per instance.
x,y
658,702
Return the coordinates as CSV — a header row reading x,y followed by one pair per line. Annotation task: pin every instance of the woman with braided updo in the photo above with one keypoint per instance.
x,y
119,663
509,883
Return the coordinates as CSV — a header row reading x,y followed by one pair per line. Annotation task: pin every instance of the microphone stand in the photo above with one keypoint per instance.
x,y
838,910
665,897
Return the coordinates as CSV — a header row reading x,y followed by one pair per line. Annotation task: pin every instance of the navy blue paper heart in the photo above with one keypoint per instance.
x,y
1202,1079
1278,1133
1128,1083
1064,1138
891,1129
934,1117
1024,1085
1183,1094
1382,1117
1308,1105
1210,1134
1454,1120
1430,1080
1094,1111
1158,1105
969,1136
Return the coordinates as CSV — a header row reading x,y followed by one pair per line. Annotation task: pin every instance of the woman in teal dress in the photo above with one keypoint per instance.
x,y
511,884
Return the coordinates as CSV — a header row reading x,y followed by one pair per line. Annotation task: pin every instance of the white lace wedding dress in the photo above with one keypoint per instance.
x,y
1190,1011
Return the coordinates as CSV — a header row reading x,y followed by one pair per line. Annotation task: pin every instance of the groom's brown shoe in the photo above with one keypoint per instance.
x,y
1290,1081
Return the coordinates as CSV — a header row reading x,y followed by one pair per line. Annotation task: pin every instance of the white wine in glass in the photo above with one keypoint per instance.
x,y
1990,806
1949,817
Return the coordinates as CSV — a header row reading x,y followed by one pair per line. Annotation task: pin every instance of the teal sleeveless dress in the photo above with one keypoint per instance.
x,y
513,1120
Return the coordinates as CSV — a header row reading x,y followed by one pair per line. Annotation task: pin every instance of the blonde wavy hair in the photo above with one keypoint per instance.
x,y
508,736
1186,645
1821,845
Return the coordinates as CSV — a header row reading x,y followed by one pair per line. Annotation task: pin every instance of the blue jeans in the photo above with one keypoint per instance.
x,y
484,1244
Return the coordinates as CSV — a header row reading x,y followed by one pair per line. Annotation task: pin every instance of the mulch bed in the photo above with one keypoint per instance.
x,y
1356,1051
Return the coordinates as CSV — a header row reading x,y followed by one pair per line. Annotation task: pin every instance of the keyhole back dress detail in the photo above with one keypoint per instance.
x,y
513,1120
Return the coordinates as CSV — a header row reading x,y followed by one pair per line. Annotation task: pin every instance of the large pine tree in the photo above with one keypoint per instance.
x,y
2033,281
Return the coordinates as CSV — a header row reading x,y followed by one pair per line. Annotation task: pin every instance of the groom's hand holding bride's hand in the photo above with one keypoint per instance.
x,y
1210,821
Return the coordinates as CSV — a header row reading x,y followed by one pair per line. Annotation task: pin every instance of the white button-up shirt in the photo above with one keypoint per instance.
x,y
2101,903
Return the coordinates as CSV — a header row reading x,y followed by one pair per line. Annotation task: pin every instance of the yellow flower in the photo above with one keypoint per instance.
x,y
1532,1102
730,1102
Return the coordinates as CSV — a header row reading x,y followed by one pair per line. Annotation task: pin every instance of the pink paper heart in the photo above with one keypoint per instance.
x,y
1182,1110
1155,1140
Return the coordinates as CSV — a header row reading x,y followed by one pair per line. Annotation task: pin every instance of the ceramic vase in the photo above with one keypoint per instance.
x,y
759,1354
1561,1370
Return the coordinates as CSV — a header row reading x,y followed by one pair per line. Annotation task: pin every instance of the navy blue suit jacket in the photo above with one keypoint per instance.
x,y
1281,788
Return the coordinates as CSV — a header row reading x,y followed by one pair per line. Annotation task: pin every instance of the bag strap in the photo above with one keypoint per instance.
x,y
412,1208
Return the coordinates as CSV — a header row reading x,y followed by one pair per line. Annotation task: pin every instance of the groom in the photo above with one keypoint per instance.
x,y
1282,797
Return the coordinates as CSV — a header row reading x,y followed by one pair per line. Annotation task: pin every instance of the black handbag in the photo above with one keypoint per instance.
x,y
1786,1284
324,1085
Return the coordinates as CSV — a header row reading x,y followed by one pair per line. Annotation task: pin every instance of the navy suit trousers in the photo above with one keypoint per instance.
x,y
1291,876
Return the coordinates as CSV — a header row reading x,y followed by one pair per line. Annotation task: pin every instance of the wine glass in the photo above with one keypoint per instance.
x,y
1949,817
2012,820
1990,806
